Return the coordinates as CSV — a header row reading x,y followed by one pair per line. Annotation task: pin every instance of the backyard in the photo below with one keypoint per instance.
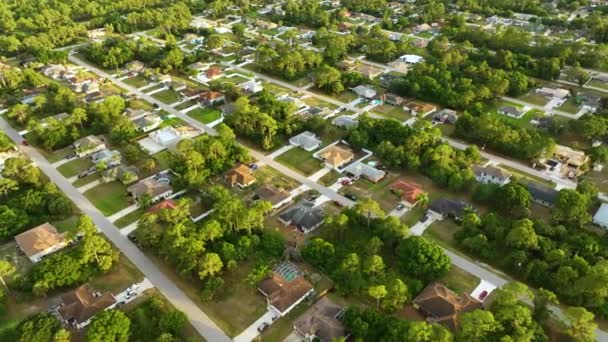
x,y
109,198
205,115
300,160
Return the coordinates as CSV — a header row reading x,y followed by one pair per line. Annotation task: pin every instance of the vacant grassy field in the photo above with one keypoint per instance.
x,y
460,281
136,81
74,167
109,198
300,160
534,98
129,218
316,102
390,111
140,104
205,115
330,178
168,96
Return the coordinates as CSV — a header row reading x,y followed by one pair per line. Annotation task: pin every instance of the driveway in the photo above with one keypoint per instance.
x,y
252,331
420,226
483,286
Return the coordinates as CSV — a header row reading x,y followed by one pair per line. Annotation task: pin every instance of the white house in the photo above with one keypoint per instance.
x,y
601,216
411,59
491,175
40,241
252,86
306,140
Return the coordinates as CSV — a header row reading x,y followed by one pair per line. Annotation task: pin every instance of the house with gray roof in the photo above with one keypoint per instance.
x,y
361,169
303,216
511,112
365,91
148,122
491,175
542,195
345,122
306,140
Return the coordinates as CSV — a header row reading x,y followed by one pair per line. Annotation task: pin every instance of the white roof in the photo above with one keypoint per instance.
x,y
360,168
601,216
411,59
306,140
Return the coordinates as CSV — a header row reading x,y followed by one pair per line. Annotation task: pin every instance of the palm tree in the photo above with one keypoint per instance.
x,y
423,199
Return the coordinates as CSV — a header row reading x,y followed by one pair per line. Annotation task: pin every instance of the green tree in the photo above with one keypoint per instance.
x,y
542,300
377,292
328,79
6,269
522,235
7,185
478,325
210,265
423,258
37,328
571,207
173,321
62,335
397,295
582,325
369,209
94,246
109,325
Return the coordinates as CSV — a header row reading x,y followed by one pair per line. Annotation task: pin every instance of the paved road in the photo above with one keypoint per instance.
x,y
209,130
586,86
199,320
553,110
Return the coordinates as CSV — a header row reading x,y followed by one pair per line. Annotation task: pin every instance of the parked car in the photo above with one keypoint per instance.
x,y
263,326
25,143
253,166
483,295
351,197
400,206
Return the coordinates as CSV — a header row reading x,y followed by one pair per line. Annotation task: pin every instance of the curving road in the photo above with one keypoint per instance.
x,y
199,320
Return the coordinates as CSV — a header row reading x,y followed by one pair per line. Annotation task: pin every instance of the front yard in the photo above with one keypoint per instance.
x,y
393,112
534,98
300,160
570,106
205,115
109,198
75,167
168,96
136,81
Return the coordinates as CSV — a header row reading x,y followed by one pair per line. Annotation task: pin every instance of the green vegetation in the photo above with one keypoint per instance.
x,y
74,167
301,160
168,96
205,115
109,198
129,218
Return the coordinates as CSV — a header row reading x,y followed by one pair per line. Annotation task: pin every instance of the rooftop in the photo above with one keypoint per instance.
x,y
39,239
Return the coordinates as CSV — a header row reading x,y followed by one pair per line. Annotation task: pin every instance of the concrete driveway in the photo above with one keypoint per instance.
x,y
483,286
252,331
420,227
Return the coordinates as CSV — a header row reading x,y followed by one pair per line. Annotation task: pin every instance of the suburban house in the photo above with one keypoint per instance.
x,y
108,157
297,103
157,187
570,158
135,66
542,195
336,157
164,204
601,216
166,137
125,174
240,176
449,207
589,101
285,288
511,112
369,71
252,87
213,72
210,98
491,174
306,140
553,93
78,307
347,64
40,241
409,191
445,116
277,197
411,59
421,109
134,114
421,28
318,111
148,123
365,91
303,216
444,306
360,169
321,322
392,99
87,145
345,121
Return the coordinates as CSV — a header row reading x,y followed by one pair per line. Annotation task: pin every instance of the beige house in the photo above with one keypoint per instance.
x,y
40,241
81,305
336,156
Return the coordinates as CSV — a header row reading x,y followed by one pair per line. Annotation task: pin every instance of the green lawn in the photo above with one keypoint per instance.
x,y
86,180
205,115
300,160
598,84
534,98
330,178
120,276
74,167
152,88
168,96
316,102
185,105
394,112
56,156
460,281
109,198
140,104
67,225
129,218
136,81
570,106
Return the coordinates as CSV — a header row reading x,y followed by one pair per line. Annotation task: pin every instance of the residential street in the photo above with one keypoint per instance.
x,y
554,111
199,320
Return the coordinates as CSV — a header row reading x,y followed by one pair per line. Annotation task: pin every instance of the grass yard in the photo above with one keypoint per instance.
x,y
185,105
120,276
300,160
598,84
56,156
86,180
67,225
129,218
269,176
346,96
379,192
152,88
109,198
534,98
330,178
276,89
140,104
390,111
460,281
112,89
168,96
570,106
599,178
443,232
74,167
205,115
524,121
518,174
136,81
316,102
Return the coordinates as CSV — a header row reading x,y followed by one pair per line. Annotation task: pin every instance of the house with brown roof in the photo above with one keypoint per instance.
x,y
164,204
410,192
40,241
336,156
157,187
444,306
240,176
213,72
285,288
392,99
277,197
321,322
81,305
210,98
491,175
421,109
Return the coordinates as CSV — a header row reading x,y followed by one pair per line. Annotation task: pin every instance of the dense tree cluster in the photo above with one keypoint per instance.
x,y
367,254
232,233
558,256
286,60
501,136
154,319
27,199
309,13
417,150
